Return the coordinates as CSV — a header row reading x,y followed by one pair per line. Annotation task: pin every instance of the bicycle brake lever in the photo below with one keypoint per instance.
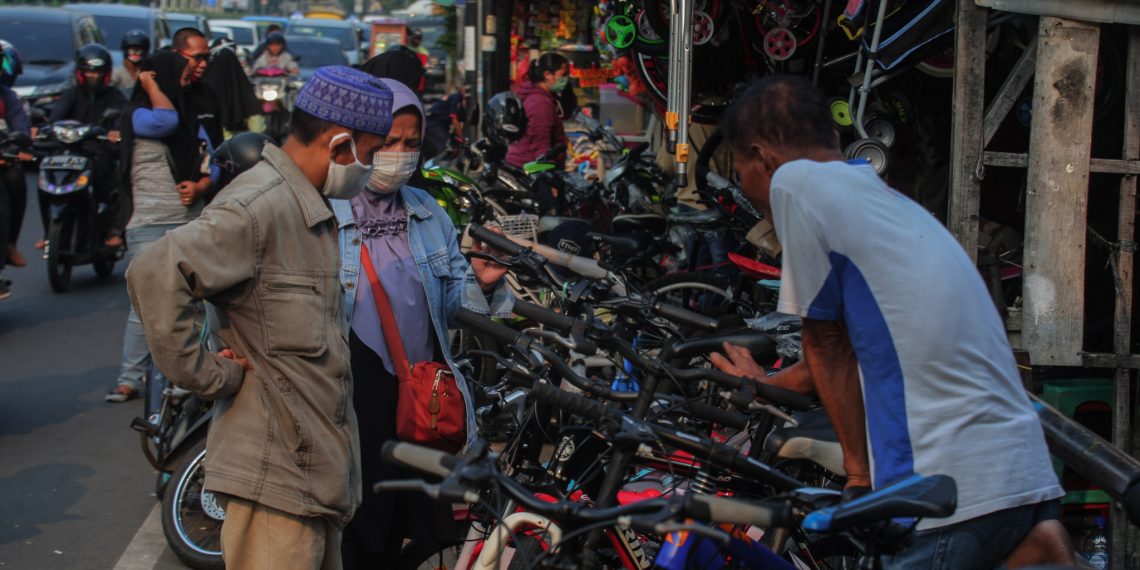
x,y
757,406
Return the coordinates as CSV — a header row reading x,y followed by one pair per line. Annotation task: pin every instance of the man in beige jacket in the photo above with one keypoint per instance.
x,y
283,446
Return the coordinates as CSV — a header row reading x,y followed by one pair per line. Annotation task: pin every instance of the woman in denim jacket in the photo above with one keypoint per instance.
x,y
412,244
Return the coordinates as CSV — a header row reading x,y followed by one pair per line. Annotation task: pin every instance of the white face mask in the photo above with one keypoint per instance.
x,y
345,181
391,170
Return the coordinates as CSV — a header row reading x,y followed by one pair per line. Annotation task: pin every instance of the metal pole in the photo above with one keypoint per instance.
x,y
673,89
872,55
683,89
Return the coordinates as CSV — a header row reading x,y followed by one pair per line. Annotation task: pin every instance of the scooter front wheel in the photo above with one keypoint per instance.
x,y
61,235
191,516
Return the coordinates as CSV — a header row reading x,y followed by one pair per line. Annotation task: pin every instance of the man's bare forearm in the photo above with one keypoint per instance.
x,y
834,371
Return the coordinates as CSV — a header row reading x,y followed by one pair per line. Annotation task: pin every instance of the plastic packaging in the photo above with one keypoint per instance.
x,y
1095,546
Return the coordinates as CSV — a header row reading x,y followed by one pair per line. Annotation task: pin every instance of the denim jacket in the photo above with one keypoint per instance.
x,y
444,271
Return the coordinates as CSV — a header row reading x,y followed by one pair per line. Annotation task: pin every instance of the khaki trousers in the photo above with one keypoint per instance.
x,y
257,537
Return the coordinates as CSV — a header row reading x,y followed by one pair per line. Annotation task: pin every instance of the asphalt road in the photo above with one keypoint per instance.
x,y
75,490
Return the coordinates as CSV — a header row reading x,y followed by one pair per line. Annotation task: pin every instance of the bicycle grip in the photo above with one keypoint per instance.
x,y
721,416
557,321
501,333
418,457
783,397
569,402
712,508
495,240
684,316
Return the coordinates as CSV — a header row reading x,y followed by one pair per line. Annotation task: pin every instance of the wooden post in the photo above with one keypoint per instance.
x,y
1124,536
1056,197
966,125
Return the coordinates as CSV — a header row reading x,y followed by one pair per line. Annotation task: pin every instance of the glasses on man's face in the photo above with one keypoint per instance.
x,y
197,57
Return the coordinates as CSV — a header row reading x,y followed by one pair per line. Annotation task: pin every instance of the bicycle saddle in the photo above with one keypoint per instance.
x,y
630,244
915,496
813,438
547,223
653,223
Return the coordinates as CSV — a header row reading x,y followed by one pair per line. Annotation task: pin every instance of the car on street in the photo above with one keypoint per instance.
x,y
220,32
245,34
47,39
313,53
342,31
178,20
117,19
263,23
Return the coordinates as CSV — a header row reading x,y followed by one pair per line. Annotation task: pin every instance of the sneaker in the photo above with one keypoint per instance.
x,y
5,289
121,393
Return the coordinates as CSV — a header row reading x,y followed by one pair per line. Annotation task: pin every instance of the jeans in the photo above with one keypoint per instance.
x,y
136,353
981,543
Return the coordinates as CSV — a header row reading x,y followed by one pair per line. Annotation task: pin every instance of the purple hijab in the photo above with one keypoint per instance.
x,y
382,221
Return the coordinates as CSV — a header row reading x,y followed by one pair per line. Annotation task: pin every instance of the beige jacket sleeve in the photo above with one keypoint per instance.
x,y
212,255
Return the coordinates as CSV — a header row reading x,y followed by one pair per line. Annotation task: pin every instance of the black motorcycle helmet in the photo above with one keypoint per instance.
x,y
275,38
504,120
238,154
93,57
11,66
135,39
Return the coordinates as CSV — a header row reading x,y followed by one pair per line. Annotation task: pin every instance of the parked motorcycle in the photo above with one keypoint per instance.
x,y
277,91
79,219
173,437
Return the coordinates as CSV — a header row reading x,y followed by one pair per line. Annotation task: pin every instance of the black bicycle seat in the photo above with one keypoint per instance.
x,y
652,223
630,244
762,347
915,496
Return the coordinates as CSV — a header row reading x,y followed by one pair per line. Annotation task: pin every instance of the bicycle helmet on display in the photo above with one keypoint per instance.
x,y
93,57
135,39
504,120
238,154
11,66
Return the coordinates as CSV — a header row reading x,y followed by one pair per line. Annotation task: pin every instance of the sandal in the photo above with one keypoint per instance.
x,y
121,393
15,259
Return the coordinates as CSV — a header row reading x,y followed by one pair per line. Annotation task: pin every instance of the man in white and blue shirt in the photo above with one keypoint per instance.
x,y
901,340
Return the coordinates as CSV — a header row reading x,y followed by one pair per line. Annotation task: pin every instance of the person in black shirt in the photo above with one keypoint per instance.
x,y
89,102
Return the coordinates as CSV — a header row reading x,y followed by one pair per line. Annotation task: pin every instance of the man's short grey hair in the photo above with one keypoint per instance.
x,y
781,110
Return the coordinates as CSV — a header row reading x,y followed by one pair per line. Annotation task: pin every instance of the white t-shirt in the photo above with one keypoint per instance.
x,y
940,383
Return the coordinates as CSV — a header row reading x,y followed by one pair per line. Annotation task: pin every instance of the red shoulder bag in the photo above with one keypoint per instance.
x,y
430,408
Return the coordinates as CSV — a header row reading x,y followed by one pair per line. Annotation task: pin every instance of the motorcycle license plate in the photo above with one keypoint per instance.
x,y
65,162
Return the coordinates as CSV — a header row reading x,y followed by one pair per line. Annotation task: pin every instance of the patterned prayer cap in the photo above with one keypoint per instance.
x,y
348,97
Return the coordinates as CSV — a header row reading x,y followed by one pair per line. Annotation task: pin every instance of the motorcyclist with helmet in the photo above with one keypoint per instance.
x,y
135,46
13,188
276,55
88,102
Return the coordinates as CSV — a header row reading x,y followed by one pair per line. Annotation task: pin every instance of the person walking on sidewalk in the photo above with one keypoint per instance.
x,y
284,446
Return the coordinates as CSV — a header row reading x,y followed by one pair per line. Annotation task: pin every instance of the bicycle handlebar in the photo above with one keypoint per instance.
x,y
557,321
495,240
685,316
418,457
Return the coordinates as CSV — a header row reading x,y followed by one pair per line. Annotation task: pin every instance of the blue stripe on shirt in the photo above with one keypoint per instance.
x,y
161,123
884,392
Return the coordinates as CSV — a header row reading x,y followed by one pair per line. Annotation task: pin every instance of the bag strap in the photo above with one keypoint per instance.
x,y
387,318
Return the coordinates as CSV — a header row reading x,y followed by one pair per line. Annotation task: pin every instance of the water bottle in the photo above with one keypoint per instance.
x,y
1095,547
